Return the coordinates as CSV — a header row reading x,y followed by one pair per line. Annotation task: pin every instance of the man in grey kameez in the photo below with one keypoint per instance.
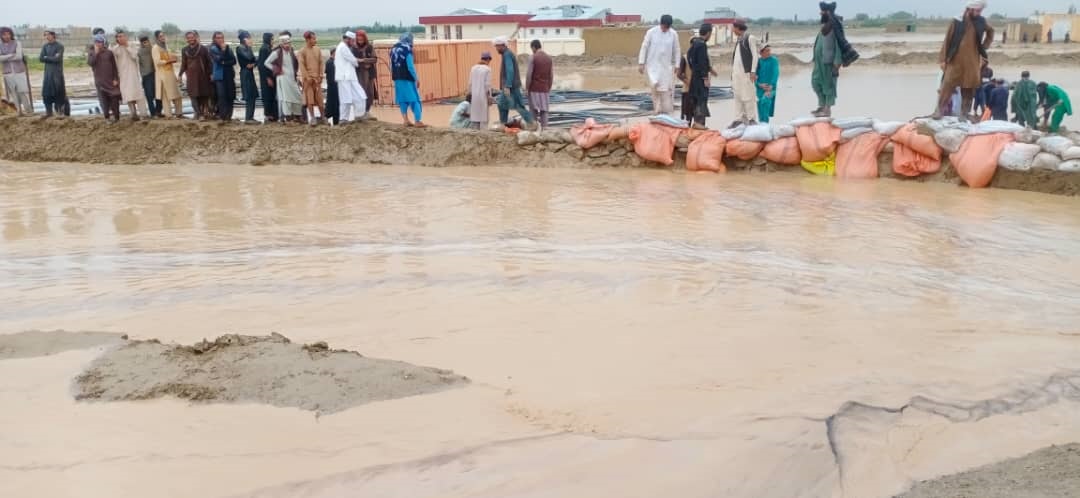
x,y
16,83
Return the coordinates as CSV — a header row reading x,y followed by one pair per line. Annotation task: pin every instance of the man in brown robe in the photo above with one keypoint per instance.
x,y
963,55
366,71
311,77
196,64
106,78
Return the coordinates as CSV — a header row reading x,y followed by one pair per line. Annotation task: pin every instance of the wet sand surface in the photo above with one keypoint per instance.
x,y
629,333
1048,473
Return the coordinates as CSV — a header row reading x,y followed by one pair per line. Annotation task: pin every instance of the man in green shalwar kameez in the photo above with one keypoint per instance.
x,y
1054,99
827,61
1025,101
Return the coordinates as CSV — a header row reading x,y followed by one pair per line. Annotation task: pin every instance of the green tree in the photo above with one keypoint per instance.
x,y
862,17
901,16
170,29
997,17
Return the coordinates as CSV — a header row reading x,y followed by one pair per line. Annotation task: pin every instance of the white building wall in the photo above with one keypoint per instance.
x,y
553,47
551,33
471,31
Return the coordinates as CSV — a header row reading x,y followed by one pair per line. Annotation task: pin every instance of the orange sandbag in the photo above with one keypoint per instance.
x,y
783,151
908,162
590,134
858,158
908,136
817,141
743,149
618,133
706,153
977,159
655,142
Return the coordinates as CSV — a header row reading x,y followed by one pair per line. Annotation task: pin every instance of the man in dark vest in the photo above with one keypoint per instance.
x,y
848,55
963,55
538,81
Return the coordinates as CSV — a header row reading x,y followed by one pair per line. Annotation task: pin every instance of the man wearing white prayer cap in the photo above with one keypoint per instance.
x,y
352,100
283,63
963,55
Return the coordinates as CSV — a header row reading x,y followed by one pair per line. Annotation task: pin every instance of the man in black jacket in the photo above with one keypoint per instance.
x,y
848,55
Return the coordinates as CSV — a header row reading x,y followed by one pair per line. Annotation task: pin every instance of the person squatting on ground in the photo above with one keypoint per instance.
x,y
406,82
16,79
146,72
459,118
658,60
311,77
963,55
480,90
744,68
249,90
826,62
285,68
166,83
539,77
127,66
701,71
1025,101
106,79
352,100
196,68
510,85
768,77
223,76
53,88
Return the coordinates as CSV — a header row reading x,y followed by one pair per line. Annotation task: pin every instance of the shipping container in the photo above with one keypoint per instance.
x,y
442,67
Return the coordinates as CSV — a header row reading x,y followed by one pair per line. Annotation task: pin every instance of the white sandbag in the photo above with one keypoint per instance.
x,y
733,133
783,131
887,128
1018,157
1070,166
528,138
1028,136
664,119
557,136
950,139
849,123
1045,160
758,133
933,125
852,133
1071,153
807,121
1056,145
994,126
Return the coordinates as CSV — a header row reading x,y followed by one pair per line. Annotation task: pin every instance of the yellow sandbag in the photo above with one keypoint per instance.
x,y
822,168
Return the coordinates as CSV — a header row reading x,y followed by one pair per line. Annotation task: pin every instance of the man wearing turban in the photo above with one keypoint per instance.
x,y
963,55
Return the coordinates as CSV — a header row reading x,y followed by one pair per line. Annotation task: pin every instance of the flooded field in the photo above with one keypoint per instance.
x,y
631,333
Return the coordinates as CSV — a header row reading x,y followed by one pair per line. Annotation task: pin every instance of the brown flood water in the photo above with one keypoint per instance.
x,y
628,333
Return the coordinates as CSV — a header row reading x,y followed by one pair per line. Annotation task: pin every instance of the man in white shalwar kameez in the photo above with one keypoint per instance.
x,y
480,89
282,61
744,65
351,96
659,60
127,66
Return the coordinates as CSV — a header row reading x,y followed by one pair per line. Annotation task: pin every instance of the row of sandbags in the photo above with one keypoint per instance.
x,y
1030,149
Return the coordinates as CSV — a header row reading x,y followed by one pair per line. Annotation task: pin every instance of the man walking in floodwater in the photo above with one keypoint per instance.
x,y
744,66
658,58
826,62
1025,101
964,53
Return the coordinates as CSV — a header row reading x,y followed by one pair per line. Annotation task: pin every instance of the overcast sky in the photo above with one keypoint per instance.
x,y
206,14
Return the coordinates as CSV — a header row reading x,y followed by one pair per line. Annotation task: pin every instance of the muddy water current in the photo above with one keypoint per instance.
x,y
628,333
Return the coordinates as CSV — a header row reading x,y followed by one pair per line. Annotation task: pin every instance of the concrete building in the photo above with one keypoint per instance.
x,y
1059,25
559,28
722,18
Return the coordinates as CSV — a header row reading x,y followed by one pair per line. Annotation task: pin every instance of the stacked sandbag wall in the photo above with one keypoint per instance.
x,y
993,153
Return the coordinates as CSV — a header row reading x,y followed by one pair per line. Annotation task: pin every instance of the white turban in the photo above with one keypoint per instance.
x,y
350,34
499,40
284,38
975,4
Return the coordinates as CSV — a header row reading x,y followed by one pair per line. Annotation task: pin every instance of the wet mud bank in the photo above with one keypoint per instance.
x,y
255,369
168,142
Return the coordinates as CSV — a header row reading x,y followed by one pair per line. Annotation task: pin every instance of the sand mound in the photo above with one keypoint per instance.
x,y
36,343
1049,472
264,369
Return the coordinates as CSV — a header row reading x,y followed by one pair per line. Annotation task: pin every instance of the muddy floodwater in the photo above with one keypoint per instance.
x,y
631,333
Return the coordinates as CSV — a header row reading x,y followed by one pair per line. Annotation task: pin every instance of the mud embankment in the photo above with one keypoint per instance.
x,y
93,141
255,369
